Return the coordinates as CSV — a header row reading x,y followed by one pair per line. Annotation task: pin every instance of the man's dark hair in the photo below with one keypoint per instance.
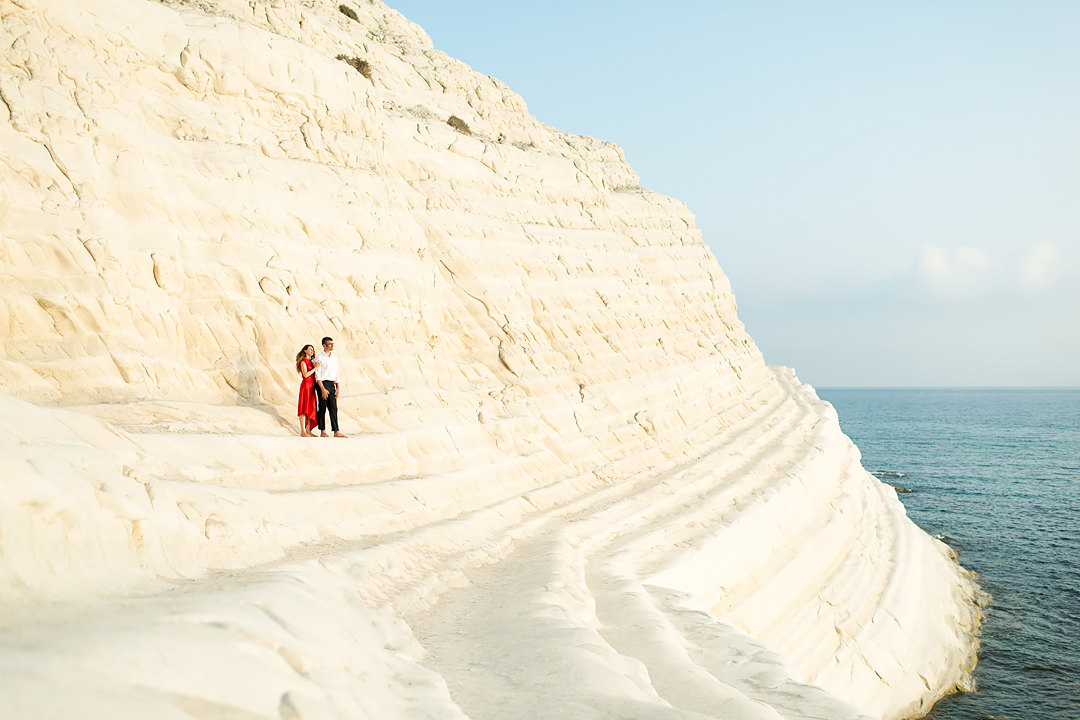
x,y
326,340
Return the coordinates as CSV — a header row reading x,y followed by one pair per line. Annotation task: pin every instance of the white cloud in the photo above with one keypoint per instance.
x,y
959,274
969,273
1041,266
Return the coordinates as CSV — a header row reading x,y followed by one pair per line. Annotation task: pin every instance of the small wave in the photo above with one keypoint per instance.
x,y
887,474
1042,669
949,540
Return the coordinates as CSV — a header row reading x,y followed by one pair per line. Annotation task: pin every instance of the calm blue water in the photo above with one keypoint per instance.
x,y
996,475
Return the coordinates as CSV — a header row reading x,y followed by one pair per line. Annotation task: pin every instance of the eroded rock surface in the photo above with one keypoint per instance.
x,y
573,487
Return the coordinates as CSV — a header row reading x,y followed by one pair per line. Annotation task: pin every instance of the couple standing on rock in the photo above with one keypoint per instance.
x,y
320,384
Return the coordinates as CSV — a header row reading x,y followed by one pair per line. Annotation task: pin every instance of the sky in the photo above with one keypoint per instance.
x,y
893,189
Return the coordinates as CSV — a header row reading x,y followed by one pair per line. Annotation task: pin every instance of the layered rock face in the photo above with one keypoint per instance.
x,y
572,487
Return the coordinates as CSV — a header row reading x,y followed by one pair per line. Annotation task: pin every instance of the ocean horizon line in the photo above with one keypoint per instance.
x,y
950,387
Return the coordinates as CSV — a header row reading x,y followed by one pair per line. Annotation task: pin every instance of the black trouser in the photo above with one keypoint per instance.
x,y
328,403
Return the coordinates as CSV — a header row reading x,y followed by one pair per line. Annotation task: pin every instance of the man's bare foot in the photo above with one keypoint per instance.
x,y
306,434
338,434
324,434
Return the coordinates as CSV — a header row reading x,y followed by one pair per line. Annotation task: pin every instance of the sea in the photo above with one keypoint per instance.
x,y
995,474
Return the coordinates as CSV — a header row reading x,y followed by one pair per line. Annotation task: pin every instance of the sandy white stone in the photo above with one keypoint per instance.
x,y
572,487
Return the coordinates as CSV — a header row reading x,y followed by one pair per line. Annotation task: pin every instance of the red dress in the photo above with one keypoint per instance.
x,y
306,405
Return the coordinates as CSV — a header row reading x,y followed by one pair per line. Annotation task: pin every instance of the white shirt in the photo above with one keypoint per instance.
x,y
328,367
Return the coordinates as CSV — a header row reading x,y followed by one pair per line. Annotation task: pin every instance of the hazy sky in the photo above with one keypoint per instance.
x,y
893,189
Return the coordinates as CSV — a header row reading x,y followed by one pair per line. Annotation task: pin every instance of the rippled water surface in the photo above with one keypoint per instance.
x,y
996,475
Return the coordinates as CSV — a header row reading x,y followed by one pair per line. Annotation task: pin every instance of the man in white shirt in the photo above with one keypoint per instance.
x,y
328,382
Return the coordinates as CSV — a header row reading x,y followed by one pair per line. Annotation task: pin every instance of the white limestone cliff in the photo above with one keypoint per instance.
x,y
572,487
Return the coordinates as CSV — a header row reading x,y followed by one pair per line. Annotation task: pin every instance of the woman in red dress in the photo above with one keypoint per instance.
x,y
306,405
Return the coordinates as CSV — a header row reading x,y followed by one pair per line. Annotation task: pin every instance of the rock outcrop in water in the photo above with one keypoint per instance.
x,y
573,487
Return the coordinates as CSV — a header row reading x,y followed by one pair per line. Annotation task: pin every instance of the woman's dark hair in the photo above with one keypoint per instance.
x,y
300,356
